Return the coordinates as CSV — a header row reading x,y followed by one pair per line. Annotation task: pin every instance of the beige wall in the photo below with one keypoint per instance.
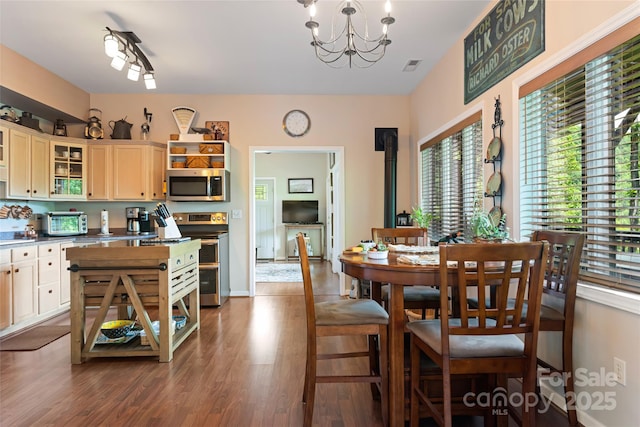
x,y
29,79
602,332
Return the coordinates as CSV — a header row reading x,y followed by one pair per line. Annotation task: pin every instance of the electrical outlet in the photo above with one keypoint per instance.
x,y
620,369
236,214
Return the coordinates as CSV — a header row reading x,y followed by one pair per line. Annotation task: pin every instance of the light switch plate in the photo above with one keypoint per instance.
x,y
236,214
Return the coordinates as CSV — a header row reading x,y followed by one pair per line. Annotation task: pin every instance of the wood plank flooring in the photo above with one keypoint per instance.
x,y
244,367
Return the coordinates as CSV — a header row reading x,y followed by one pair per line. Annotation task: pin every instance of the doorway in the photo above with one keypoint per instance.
x,y
334,219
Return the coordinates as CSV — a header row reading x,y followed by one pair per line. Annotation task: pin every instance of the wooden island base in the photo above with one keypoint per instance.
x,y
133,278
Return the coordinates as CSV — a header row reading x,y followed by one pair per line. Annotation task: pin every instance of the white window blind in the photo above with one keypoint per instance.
x,y
580,163
452,178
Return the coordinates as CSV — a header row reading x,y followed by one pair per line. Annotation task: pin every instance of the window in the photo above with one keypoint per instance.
x,y
452,176
580,162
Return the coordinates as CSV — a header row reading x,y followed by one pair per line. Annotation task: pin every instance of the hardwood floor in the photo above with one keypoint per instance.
x,y
244,367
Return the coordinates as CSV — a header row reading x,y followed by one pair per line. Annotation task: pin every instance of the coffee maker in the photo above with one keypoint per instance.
x,y
133,220
145,221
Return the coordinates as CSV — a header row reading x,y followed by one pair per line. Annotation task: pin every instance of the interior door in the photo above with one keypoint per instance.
x,y
265,219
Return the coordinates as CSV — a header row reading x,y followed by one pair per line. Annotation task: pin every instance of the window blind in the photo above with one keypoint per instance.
x,y
452,178
580,163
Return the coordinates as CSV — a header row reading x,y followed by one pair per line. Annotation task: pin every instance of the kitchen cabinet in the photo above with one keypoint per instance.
x,y
24,278
65,275
67,166
29,166
132,171
99,174
6,310
4,143
48,277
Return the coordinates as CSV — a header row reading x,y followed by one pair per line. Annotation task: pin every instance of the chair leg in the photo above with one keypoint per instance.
x,y
384,373
567,367
374,367
446,395
309,392
415,382
528,389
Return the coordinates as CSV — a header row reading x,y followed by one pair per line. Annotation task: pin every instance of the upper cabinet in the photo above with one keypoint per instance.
x,y
4,143
29,165
68,176
129,172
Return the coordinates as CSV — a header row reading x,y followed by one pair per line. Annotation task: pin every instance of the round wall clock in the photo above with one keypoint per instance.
x,y
296,123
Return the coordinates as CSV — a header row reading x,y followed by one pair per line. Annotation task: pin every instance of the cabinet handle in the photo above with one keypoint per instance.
x,y
50,264
50,250
8,271
50,291
35,191
17,270
25,254
142,194
28,191
90,194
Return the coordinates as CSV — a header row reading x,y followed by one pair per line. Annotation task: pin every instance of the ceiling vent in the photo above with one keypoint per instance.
x,y
411,65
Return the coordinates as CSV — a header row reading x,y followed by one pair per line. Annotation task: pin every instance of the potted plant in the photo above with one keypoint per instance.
x,y
485,228
420,218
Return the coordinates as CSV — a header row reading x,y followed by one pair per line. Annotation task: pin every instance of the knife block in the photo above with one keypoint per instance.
x,y
171,231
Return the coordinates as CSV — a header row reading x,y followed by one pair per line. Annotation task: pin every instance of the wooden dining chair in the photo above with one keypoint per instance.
x,y
342,318
483,340
420,298
559,300
558,303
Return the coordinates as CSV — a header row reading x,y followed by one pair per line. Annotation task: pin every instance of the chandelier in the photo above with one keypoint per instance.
x,y
119,45
354,45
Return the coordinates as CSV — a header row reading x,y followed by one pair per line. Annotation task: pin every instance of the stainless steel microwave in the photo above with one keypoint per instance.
x,y
65,224
198,185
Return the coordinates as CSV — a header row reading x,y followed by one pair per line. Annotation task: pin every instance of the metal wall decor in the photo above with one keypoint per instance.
x,y
494,156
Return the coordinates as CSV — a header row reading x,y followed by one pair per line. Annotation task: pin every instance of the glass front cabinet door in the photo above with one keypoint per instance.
x,y
68,177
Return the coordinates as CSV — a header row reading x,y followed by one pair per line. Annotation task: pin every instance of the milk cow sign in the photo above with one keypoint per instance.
x,y
507,38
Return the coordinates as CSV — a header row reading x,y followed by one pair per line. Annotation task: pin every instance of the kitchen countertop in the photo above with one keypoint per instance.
x,y
11,239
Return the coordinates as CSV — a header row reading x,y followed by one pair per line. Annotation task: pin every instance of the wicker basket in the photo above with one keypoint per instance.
x,y
178,165
218,165
178,150
211,148
197,162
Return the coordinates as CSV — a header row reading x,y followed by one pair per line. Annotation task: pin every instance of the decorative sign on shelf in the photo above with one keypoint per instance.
x,y
511,35
220,130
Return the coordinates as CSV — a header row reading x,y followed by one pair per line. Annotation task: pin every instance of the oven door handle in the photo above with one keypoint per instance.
x,y
209,241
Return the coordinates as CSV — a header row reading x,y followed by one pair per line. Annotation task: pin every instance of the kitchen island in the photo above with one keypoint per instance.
x,y
140,280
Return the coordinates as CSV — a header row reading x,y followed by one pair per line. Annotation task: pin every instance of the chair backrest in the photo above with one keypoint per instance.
x,y
308,286
406,236
485,265
563,265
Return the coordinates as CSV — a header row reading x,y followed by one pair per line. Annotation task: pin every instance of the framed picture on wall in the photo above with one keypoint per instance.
x,y
300,185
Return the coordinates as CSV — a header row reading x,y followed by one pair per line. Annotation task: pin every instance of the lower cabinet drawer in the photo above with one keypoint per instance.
x,y
48,269
48,298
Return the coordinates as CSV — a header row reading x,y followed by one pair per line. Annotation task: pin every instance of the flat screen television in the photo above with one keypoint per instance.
x,y
299,211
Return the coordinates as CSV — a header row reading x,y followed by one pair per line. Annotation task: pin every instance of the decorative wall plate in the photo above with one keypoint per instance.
x,y
495,214
495,146
493,185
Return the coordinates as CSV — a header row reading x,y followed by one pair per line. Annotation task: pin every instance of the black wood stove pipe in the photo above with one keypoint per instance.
x,y
390,139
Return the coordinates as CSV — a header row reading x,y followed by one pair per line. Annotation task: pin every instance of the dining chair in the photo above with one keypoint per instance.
x,y
559,300
483,340
558,303
420,298
344,317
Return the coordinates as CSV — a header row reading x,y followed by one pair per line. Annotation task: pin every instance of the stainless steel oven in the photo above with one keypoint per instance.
x,y
212,228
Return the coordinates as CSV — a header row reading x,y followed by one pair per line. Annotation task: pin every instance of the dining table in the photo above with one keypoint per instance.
x,y
398,274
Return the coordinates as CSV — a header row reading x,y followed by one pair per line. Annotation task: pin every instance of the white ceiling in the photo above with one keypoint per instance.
x,y
229,47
